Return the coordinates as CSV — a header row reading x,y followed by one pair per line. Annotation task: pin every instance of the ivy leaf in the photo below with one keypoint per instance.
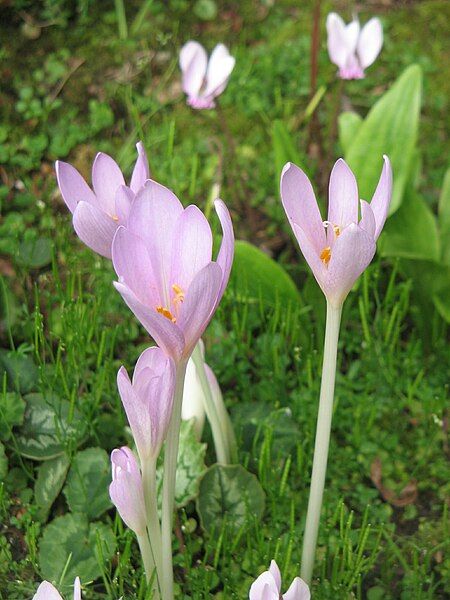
x,y
50,479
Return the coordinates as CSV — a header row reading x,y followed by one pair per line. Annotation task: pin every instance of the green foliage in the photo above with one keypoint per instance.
x,y
284,150
3,462
12,409
51,475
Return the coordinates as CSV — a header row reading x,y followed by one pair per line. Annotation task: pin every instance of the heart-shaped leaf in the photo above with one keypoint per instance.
x,y
50,479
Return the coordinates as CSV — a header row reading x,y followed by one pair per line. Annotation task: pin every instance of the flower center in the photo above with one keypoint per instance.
x,y
336,228
115,218
325,255
178,298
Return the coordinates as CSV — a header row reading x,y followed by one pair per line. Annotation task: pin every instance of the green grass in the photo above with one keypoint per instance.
x,y
67,331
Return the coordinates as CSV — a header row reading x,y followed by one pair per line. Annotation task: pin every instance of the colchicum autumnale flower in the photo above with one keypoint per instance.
x,y
148,400
163,259
339,249
202,80
268,587
46,591
126,489
351,48
97,214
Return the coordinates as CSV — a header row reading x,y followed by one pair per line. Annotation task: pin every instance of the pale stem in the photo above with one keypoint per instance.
x,y
322,441
147,560
168,493
151,505
219,426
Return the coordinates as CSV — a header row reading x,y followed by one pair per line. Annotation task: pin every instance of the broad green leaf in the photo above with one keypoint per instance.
x,y
284,150
47,427
86,489
12,409
441,301
190,467
70,540
35,254
231,496
412,232
50,479
390,128
444,218
256,277
3,463
349,124
21,372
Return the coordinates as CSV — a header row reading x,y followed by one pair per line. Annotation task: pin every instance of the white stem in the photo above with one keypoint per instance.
x,y
147,560
322,441
151,504
168,494
219,426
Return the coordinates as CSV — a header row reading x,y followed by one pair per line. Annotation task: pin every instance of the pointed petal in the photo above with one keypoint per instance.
x,y
199,304
352,252
137,414
141,171
220,66
77,589
126,491
275,571
338,49
226,251
123,199
133,267
343,196
264,587
106,178
192,246
165,333
46,591
370,42
298,590
72,186
95,228
352,35
311,256
300,205
367,219
152,358
382,197
193,64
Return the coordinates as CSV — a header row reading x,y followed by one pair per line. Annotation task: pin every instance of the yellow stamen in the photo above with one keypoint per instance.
x,y
115,218
165,312
325,255
337,230
179,294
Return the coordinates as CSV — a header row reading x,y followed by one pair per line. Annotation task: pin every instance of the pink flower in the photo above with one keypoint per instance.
x,y
148,400
163,259
46,591
126,489
202,80
268,587
97,214
353,49
339,249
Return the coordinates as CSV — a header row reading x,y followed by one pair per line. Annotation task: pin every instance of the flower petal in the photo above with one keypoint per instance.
x,y
367,219
199,304
311,256
343,197
226,250
192,246
382,197
95,228
193,406
106,178
264,588
220,66
126,490
352,252
165,333
338,49
137,414
133,267
370,42
123,199
300,205
275,571
352,35
72,186
193,64
152,358
77,589
141,171
298,590
46,591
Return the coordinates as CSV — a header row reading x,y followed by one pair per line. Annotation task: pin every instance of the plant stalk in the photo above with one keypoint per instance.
x,y
322,441
147,558
151,506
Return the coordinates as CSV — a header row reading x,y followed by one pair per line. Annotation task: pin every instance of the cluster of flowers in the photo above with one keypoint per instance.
x,y
162,255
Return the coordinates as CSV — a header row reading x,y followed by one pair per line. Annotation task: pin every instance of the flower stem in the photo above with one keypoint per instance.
x,y
219,426
170,470
151,505
147,560
322,441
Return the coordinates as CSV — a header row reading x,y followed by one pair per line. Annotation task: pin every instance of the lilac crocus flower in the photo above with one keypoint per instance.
x,y
202,80
47,591
339,249
126,491
268,587
97,214
148,400
351,48
167,277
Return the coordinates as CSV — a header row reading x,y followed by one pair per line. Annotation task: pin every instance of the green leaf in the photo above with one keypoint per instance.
x,y
47,427
12,409
441,300
390,128
229,495
257,277
284,150
86,489
3,463
444,218
349,124
35,254
412,232
50,479
21,372
70,540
